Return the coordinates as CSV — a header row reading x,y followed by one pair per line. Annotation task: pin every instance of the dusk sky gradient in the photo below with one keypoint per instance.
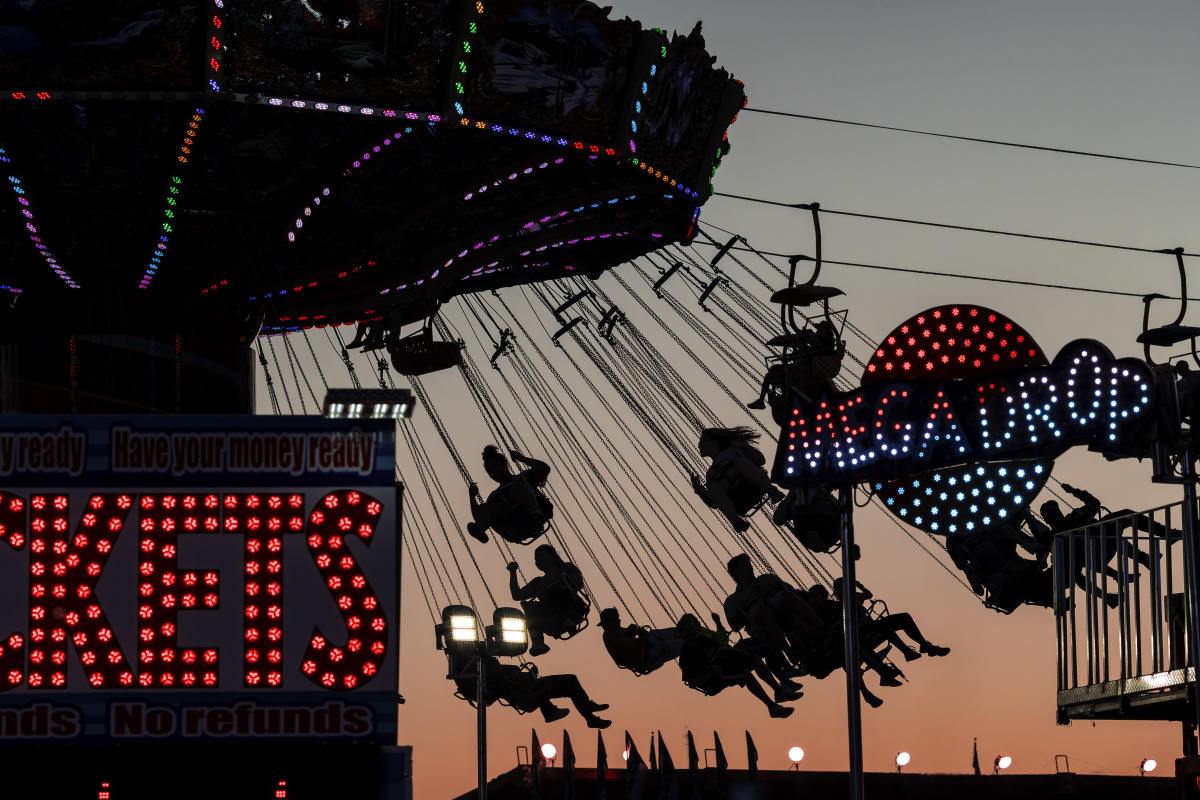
x,y
1111,77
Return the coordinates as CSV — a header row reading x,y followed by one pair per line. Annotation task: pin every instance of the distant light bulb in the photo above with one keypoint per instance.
x,y
549,751
796,754
902,759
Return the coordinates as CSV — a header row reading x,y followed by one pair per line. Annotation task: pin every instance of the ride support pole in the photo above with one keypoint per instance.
x,y
481,721
850,625
1191,552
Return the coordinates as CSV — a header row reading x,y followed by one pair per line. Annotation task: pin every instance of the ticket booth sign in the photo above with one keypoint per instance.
x,y
197,578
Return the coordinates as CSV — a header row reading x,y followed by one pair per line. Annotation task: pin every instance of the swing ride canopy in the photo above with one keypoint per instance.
x,y
208,166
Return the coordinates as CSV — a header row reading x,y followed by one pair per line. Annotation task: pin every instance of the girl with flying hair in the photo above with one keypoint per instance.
x,y
736,482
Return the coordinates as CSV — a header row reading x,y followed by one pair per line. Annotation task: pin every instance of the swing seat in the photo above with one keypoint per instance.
x,y
466,691
419,354
508,518
575,621
746,499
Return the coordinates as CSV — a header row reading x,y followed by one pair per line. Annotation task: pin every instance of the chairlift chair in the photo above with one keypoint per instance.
x,y
1175,332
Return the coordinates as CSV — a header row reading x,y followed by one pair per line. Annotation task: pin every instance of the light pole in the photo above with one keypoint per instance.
x,y
458,635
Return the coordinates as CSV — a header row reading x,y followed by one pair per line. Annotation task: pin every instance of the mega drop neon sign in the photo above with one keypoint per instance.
x,y
960,416
139,574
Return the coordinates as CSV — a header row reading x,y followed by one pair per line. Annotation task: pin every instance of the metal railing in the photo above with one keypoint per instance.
x,y
1119,594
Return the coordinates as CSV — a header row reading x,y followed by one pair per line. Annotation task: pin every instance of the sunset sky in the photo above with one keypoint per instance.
x,y
1090,75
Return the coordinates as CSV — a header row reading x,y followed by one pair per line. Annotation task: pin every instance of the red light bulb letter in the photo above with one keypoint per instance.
x,y
13,512
163,589
63,572
262,521
342,667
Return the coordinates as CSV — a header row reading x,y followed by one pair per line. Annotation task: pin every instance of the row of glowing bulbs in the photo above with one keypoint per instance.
x,y
973,496
903,758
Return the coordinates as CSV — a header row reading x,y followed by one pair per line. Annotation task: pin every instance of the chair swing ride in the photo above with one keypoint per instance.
x,y
441,197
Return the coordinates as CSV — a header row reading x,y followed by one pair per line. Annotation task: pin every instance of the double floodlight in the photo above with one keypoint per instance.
x,y
507,635
368,404
459,631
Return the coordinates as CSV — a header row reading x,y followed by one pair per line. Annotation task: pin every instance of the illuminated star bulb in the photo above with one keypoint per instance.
x,y
549,751
1003,762
902,758
796,754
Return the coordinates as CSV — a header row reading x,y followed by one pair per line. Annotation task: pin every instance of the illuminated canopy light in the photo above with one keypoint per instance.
x,y
368,404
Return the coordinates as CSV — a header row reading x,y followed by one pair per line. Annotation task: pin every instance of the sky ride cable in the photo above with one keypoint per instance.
x,y
976,139
961,276
949,226
279,372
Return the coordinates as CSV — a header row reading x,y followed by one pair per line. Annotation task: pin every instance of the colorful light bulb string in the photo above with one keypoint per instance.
x,y
183,156
31,223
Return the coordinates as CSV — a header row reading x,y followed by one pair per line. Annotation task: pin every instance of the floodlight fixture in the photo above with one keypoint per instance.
x,y
459,629
1001,762
1148,765
348,403
902,759
507,635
